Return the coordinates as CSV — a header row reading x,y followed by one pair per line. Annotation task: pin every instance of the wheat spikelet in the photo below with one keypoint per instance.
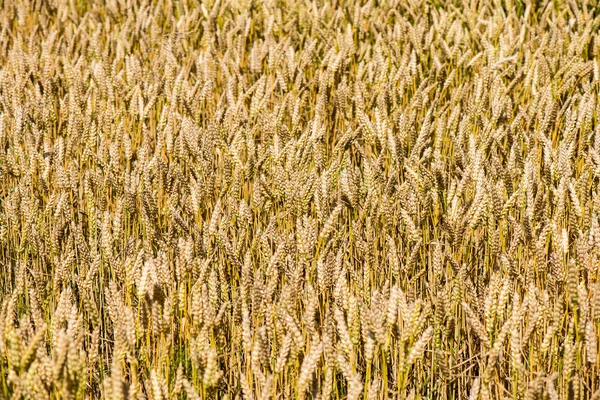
x,y
308,365
477,326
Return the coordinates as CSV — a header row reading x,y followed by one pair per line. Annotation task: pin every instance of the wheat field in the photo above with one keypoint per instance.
x,y
299,199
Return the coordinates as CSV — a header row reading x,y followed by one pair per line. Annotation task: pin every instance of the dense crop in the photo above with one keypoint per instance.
x,y
299,199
